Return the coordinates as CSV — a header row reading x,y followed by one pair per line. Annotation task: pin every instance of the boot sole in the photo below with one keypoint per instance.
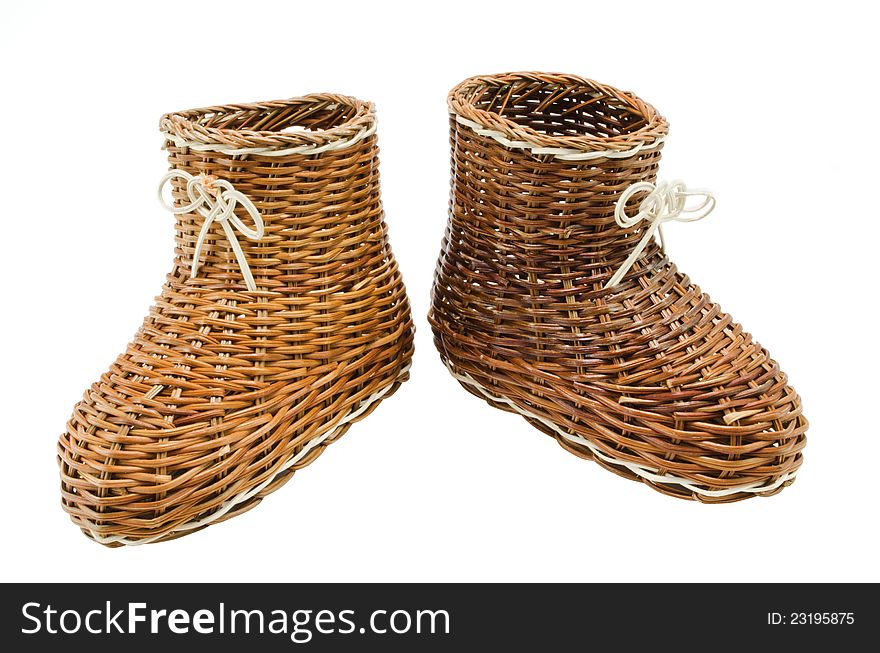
x,y
249,498
582,446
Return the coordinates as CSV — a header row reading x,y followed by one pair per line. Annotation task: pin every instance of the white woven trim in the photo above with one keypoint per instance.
x,y
643,471
340,144
226,506
561,153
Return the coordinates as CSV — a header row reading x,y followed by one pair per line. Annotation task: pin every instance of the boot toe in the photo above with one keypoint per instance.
x,y
682,399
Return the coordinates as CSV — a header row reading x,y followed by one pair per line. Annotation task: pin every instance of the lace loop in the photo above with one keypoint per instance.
x,y
215,200
665,202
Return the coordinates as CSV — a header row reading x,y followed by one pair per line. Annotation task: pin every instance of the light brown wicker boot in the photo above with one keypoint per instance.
x,y
283,321
553,300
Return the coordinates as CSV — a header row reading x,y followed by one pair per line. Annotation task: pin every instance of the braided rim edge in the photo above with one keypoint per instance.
x,y
185,129
461,103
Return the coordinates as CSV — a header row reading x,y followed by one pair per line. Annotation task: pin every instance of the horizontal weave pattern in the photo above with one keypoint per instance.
x,y
224,393
649,378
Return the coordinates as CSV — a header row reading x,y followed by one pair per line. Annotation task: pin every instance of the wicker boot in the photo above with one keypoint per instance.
x,y
553,299
283,321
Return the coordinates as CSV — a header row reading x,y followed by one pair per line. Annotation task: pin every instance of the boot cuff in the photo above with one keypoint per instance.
x,y
303,125
565,116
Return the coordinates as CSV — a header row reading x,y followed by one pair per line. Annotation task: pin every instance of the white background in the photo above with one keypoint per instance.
x,y
773,108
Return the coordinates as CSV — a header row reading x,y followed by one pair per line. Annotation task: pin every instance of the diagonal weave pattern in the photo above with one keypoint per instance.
x,y
224,393
649,378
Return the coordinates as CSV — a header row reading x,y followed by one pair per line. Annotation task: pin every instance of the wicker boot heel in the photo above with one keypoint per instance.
x,y
283,321
553,300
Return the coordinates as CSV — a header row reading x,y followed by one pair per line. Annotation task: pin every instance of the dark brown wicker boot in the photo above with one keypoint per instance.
x,y
283,321
553,299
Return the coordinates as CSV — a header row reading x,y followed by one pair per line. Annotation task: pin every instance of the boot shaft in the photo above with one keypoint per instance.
x,y
571,147
308,166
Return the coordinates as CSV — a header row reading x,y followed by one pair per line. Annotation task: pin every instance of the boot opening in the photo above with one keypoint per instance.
x,y
301,114
553,107
311,120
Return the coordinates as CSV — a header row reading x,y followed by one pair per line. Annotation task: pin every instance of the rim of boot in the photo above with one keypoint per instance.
x,y
309,124
599,121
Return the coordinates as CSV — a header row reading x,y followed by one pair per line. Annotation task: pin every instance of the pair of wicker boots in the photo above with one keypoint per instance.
x,y
285,319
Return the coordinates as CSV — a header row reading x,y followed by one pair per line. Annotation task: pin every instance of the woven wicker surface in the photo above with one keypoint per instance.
x,y
224,393
650,378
